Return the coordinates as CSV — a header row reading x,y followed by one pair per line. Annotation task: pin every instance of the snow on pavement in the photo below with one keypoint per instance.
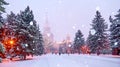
x,y
65,60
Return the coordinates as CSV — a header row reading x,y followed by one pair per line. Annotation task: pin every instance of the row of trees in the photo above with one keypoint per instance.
x,y
20,34
2,9
98,40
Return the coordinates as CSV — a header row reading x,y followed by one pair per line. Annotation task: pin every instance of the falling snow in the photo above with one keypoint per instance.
x,y
115,43
83,26
92,32
98,8
31,23
59,1
74,27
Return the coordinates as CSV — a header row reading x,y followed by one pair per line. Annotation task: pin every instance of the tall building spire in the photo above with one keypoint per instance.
x,y
47,35
47,26
46,17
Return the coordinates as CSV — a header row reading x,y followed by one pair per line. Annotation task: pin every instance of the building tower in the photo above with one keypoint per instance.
x,y
47,36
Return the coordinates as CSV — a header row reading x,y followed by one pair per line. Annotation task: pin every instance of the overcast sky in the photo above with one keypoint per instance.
x,y
66,16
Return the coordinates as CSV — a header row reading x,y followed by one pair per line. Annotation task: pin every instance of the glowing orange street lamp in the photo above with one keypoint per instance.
x,y
11,42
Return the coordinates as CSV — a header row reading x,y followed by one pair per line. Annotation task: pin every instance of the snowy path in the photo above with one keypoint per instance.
x,y
65,60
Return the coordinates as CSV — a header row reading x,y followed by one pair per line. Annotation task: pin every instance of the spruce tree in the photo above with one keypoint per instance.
x,y
29,32
2,49
39,42
1,36
2,3
1,27
97,39
10,30
78,41
24,33
115,33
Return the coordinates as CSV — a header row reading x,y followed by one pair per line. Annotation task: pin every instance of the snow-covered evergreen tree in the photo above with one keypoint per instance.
x,y
10,24
2,3
2,9
1,26
97,39
39,42
10,29
78,41
2,51
26,31
23,30
115,32
29,30
1,36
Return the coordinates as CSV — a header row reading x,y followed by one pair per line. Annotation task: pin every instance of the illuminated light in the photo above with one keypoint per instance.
x,y
11,42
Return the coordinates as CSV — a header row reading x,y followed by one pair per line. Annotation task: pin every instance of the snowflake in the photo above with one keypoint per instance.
x,y
31,23
69,45
92,32
113,13
78,38
73,27
59,1
83,26
26,45
98,8
46,9
48,34
115,43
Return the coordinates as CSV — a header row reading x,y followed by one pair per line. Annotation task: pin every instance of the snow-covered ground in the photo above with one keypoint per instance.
x,y
72,60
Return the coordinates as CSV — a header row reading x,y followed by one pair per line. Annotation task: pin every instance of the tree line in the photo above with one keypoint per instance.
x,y
20,34
99,41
